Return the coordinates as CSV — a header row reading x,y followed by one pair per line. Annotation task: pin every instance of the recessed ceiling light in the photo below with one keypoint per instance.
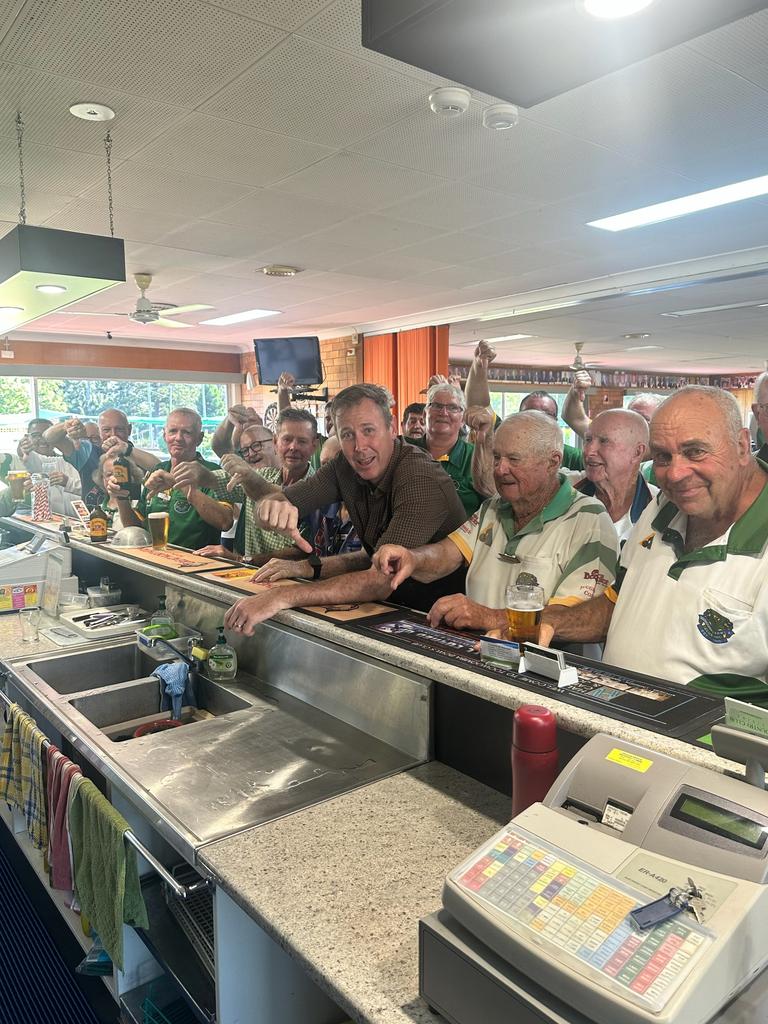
x,y
511,337
614,8
92,111
631,337
642,348
239,318
280,270
694,203
50,289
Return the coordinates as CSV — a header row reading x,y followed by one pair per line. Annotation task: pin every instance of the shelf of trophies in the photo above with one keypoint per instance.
x,y
640,380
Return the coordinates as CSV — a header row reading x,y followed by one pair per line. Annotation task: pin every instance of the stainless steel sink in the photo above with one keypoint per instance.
x,y
120,710
91,670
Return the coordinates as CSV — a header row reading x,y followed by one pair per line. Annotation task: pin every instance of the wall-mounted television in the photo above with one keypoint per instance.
x,y
299,356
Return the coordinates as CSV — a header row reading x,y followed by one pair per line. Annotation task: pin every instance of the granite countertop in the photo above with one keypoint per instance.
x,y
373,862
11,644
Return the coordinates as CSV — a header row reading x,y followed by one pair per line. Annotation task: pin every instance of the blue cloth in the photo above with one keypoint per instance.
x,y
174,676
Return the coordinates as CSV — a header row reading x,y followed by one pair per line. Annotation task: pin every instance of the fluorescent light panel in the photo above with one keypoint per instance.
x,y
713,309
694,203
532,309
511,337
240,318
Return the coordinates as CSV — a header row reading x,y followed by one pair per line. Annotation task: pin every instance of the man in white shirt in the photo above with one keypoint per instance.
x,y
35,455
690,602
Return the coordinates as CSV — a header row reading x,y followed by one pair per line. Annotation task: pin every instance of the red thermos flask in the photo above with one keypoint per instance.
x,y
534,755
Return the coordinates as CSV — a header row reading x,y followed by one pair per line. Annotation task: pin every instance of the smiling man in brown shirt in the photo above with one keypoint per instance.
x,y
394,494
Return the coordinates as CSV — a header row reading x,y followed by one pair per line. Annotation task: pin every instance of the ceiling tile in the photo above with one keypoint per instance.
x,y
285,14
455,205
458,247
284,93
237,241
182,50
379,234
134,225
269,210
231,152
47,169
392,266
40,205
369,184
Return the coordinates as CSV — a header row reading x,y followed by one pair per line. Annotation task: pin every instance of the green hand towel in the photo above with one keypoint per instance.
x,y
106,873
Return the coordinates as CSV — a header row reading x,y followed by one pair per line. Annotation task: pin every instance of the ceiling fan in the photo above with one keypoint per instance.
x,y
147,312
578,363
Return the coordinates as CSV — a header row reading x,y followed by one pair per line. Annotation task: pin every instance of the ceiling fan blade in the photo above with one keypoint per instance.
x,y
74,312
164,322
186,309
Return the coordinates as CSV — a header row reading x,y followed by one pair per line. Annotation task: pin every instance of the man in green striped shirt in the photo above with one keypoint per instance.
x,y
538,529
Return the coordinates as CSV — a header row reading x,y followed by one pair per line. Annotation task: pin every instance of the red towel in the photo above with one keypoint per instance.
x,y
60,774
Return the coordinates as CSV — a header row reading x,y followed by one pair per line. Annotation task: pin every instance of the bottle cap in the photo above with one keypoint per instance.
x,y
534,729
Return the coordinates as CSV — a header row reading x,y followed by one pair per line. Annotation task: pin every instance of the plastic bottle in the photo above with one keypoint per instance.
x,y
161,624
534,755
222,659
98,524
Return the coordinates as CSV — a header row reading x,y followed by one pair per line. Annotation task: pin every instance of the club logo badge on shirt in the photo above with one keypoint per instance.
x,y
715,627
527,579
181,506
486,536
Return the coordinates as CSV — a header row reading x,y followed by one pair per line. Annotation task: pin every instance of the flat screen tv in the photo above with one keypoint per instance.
x,y
299,356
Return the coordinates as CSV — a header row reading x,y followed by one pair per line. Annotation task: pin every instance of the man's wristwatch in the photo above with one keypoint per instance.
x,y
317,564
130,447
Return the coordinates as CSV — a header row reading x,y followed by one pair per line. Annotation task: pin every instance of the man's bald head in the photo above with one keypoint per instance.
x,y
527,453
702,454
615,444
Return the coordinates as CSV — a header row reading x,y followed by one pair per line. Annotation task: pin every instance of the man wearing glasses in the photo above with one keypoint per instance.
x,y
279,460
445,416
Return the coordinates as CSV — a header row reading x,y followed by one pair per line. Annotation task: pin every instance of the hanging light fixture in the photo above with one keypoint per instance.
x,y
43,269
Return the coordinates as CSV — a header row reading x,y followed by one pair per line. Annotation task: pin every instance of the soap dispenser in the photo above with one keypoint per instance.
x,y
222,659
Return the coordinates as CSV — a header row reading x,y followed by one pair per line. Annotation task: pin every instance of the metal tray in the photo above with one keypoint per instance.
x,y
78,617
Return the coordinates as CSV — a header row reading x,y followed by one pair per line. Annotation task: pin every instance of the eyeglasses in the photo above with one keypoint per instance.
x,y
255,448
442,407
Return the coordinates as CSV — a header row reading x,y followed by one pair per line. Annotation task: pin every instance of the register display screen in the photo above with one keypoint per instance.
x,y
720,821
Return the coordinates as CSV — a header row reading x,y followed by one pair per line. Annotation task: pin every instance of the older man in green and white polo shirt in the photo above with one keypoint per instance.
x,y
691,599
537,528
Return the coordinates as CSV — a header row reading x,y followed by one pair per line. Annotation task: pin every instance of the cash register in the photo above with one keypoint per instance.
x,y
635,893
26,567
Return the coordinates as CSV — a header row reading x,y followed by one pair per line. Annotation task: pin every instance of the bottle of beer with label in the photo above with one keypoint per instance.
x,y
98,525
121,471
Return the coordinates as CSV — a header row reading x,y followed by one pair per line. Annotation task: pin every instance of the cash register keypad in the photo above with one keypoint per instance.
x,y
577,910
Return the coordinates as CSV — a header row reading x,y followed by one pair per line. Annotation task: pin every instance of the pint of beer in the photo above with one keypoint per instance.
x,y
524,606
16,479
159,523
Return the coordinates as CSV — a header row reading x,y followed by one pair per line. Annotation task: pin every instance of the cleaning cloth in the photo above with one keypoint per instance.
x,y
173,676
106,872
22,783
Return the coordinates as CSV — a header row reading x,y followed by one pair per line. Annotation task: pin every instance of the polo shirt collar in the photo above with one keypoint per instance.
x,y
455,456
747,536
642,496
562,500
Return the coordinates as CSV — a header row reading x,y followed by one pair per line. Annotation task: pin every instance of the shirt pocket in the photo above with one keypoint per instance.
x,y
536,570
722,615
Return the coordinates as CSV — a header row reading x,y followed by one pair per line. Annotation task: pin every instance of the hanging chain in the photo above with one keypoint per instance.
x,y
22,188
110,204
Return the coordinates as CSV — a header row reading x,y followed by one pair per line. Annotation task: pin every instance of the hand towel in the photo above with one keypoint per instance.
x,y
173,675
106,873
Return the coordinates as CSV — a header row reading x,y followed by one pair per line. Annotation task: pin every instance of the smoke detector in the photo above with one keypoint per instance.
x,y
449,101
92,111
501,116
280,270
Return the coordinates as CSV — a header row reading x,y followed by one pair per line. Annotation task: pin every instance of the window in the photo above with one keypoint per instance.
x,y
504,403
145,403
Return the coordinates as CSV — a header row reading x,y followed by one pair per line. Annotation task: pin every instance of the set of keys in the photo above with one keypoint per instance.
x,y
675,902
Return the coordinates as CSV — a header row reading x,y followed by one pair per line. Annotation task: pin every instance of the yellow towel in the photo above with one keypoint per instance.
x,y
21,773
106,873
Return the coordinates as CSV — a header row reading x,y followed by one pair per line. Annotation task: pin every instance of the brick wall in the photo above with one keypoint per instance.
x,y
340,370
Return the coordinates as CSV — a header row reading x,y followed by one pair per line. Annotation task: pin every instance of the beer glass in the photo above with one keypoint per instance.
x,y
16,479
524,605
159,524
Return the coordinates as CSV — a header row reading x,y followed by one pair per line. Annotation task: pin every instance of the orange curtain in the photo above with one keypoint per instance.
x,y
380,361
420,354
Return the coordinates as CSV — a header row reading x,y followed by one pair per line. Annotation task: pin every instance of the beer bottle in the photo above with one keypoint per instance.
x,y
98,524
121,471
